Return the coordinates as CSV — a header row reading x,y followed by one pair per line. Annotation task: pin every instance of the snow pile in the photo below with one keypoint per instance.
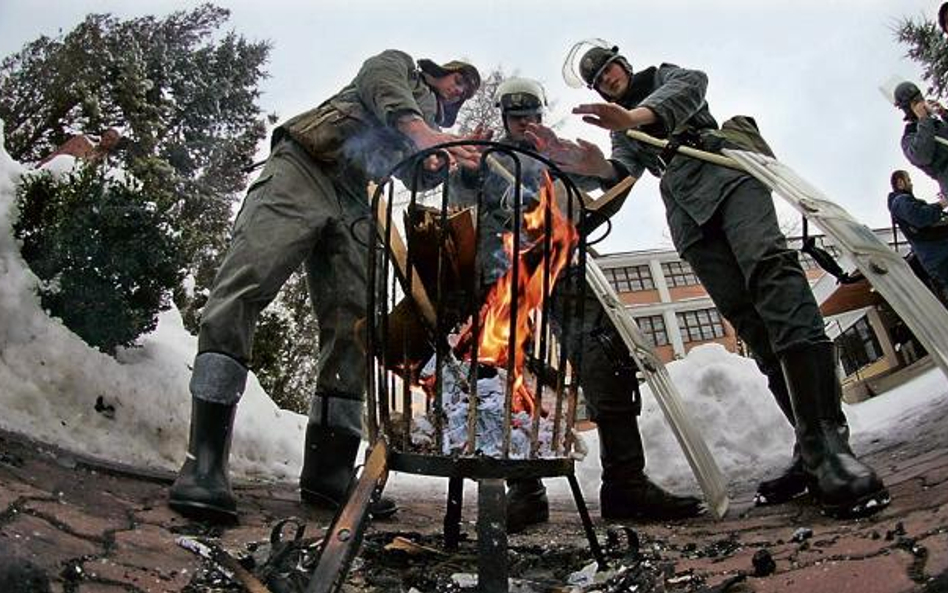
x,y
51,379
729,402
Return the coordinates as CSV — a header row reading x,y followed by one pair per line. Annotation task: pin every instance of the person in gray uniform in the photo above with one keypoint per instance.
x,y
301,210
723,223
607,371
925,138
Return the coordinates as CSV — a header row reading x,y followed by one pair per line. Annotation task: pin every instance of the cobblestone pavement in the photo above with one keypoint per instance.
x,y
96,528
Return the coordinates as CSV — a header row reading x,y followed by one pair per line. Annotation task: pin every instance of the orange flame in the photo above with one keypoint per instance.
x,y
494,344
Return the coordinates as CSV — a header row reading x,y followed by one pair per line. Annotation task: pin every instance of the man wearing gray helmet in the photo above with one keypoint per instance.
x,y
925,138
723,223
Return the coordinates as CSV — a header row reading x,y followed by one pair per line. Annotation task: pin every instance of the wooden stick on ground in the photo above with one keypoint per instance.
x,y
218,555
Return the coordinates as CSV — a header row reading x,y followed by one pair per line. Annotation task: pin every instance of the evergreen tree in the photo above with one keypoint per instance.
x,y
927,46
184,96
106,257
481,109
286,347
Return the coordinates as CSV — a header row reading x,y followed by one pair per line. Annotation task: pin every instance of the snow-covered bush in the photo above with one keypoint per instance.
x,y
105,254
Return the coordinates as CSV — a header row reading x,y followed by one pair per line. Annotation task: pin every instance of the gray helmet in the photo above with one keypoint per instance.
x,y
594,62
905,94
588,59
520,96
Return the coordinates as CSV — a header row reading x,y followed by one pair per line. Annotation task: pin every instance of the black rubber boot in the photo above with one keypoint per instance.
x,y
626,491
329,467
791,483
637,497
843,485
527,504
202,489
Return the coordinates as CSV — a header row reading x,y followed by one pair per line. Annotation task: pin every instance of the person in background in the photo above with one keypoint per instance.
x,y
924,225
925,138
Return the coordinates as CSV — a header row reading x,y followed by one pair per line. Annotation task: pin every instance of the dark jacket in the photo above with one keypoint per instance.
x,y
925,226
354,131
923,151
691,189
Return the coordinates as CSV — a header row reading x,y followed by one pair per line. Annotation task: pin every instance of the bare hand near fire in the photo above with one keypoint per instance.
x,y
581,157
425,137
548,143
607,115
481,132
469,157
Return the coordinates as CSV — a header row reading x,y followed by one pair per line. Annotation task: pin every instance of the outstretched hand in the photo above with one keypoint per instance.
x,y
580,157
607,115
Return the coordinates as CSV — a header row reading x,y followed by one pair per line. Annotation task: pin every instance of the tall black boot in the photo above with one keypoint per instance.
x,y
329,467
843,485
527,504
202,489
792,481
626,491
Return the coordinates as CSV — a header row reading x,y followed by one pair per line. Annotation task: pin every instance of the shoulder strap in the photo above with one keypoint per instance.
x,y
824,259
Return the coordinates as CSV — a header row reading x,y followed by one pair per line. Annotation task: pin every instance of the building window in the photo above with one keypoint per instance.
x,y
807,262
653,326
679,273
700,325
630,278
858,346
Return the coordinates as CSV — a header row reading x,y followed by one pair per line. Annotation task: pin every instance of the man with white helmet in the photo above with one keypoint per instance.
x,y
607,373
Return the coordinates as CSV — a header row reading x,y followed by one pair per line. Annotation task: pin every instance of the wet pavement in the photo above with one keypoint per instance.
x,y
91,527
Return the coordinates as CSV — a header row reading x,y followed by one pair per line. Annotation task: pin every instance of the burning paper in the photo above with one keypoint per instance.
x,y
489,435
506,330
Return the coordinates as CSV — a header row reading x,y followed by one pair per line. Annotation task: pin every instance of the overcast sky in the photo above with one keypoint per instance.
x,y
808,70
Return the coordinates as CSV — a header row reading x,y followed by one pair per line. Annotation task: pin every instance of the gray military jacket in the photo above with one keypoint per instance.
x,y
926,153
691,189
354,131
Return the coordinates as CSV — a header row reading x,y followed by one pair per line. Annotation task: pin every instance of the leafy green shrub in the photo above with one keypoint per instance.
x,y
105,254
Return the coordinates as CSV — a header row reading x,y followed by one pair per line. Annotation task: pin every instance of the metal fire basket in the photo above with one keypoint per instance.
x,y
432,290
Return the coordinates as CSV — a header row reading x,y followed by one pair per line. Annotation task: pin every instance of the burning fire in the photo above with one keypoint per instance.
x,y
494,345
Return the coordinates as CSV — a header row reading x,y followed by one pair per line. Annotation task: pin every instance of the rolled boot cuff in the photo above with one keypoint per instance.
x,y
218,378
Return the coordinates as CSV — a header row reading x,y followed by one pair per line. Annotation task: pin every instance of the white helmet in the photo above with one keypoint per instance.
x,y
520,96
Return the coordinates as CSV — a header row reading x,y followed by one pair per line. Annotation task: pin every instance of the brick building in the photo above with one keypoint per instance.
x,y
675,312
